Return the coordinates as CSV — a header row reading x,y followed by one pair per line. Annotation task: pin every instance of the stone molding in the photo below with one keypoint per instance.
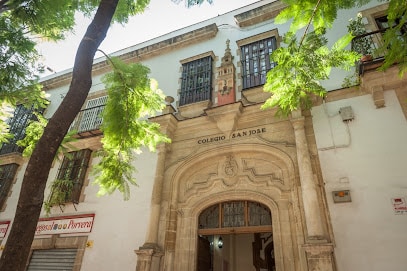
x,y
143,53
260,14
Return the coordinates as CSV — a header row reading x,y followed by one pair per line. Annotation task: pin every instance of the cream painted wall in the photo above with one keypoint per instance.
x,y
368,233
120,226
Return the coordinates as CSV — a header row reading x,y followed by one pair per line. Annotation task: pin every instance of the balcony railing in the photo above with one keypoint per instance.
x,y
88,121
375,39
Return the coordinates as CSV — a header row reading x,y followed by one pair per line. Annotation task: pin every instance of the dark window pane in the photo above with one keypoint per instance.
x,y
209,218
233,214
256,61
196,81
17,123
259,215
7,174
73,168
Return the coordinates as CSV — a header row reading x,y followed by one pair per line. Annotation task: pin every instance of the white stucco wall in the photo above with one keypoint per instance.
x,y
368,233
120,226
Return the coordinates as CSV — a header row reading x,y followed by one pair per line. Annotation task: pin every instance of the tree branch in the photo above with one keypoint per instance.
x,y
309,23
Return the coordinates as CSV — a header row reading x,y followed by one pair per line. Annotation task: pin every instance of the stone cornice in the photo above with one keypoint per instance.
x,y
143,53
259,14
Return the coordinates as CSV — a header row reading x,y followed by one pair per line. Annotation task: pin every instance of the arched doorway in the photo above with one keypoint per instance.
x,y
235,235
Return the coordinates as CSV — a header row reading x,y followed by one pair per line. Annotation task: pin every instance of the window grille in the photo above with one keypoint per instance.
x,y
196,81
235,214
255,58
17,123
7,174
73,168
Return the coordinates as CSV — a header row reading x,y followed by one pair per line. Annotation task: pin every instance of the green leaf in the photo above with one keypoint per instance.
x,y
342,42
133,97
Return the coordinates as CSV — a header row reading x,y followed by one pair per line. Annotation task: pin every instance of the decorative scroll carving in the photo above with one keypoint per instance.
x,y
231,170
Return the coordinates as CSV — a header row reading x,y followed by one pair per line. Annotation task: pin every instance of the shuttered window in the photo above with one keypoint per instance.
x,y
53,259
90,118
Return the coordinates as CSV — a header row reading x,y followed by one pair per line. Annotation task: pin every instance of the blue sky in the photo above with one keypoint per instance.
x,y
161,17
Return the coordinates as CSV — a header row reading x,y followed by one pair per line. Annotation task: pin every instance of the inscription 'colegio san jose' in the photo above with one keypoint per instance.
x,y
238,134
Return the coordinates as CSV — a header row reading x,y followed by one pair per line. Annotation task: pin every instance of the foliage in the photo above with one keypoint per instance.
x,y
321,14
5,113
132,98
301,66
395,38
362,45
33,133
61,192
292,90
22,24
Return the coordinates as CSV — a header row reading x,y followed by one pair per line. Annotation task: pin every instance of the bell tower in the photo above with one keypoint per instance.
x,y
226,78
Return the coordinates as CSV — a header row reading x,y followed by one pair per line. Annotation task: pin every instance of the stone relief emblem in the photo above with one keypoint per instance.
x,y
230,166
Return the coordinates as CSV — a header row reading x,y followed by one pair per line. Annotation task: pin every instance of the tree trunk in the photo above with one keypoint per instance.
x,y
17,249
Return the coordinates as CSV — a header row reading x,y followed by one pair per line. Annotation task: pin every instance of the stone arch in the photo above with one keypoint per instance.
x,y
201,171
202,181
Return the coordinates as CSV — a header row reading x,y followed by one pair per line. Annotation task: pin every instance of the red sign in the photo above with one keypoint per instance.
x,y
3,228
399,205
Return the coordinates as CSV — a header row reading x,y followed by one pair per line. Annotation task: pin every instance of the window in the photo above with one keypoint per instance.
x,y
383,23
73,168
17,123
7,174
235,214
255,58
196,81
90,118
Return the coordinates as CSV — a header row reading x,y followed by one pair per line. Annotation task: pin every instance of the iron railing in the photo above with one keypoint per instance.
x,y
375,39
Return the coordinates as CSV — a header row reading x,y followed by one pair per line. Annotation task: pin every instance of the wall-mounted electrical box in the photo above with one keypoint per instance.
x,y
341,196
346,113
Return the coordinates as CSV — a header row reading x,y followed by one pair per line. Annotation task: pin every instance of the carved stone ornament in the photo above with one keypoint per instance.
x,y
230,166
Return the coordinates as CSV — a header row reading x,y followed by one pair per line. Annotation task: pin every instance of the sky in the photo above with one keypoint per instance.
x,y
161,17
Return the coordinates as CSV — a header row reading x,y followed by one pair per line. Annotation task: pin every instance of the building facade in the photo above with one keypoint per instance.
x,y
238,188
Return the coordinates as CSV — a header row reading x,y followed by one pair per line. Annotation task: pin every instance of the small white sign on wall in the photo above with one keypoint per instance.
x,y
399,205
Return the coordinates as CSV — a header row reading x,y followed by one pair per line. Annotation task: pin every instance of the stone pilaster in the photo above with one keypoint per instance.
x,y
150,254
148,259
312,211
320,257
